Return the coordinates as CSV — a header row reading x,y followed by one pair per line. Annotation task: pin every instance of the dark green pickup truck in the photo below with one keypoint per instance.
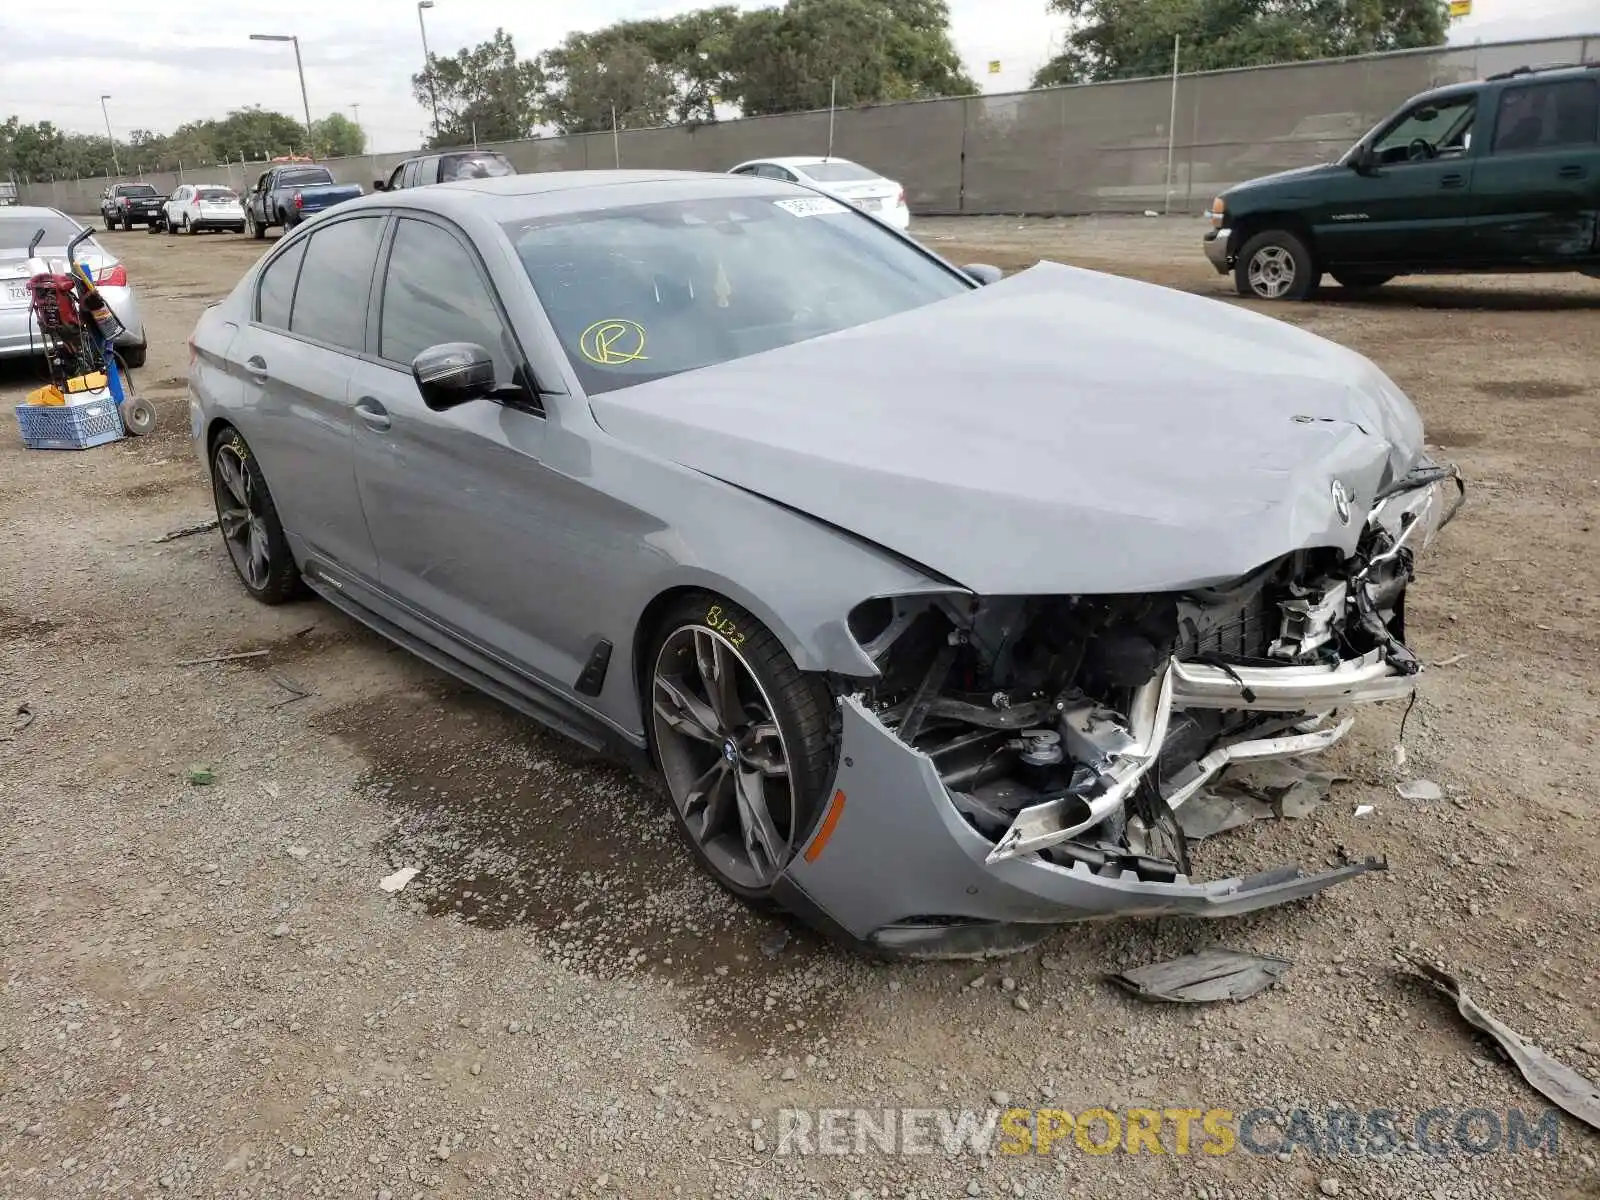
x,y
1498,175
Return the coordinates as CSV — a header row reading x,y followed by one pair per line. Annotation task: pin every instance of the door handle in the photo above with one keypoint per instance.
x,y
256,367
1572,171
1453,181
374,414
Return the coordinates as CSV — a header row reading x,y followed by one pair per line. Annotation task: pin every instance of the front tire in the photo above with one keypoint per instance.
x,y
257,230
249,521
1276,265
744,740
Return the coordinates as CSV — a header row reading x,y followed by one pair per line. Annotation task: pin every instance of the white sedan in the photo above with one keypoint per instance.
x,y
841,179
198,206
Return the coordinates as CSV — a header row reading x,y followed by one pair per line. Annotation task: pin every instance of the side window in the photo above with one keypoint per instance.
x,y
1546,115
277,287
434,292
1429,131
261,181
745,170
408,174
394,178
331,301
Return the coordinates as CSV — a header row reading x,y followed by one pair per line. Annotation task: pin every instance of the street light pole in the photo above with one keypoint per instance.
x,y
104,112
305,103
427,64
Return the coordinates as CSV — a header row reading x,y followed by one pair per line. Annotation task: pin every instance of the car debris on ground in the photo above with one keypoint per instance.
x,y
1554,1080
1205,977
397,881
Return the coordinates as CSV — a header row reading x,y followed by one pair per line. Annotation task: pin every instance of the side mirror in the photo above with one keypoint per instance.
x,y
378,185
452,373
984,273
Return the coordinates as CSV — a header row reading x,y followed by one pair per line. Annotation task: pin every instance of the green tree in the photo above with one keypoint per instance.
x,y
255,132
487,90
786,59
591,76
1127,39
337,136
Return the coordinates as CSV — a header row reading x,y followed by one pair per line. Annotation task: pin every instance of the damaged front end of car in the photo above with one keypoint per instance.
x,y
1058,736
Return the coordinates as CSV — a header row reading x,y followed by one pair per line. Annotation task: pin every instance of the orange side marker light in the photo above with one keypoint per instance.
x,y
820,842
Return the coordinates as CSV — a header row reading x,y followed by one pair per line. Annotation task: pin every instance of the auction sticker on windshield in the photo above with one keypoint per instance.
x,y
807,206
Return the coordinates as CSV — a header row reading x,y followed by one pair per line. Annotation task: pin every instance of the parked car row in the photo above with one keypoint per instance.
x,y
288,193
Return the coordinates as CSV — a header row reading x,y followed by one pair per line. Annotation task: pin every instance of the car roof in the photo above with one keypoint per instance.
x,y
804,160
1555,73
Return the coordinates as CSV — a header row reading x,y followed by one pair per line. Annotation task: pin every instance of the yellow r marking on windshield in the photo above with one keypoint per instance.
x,y
612,342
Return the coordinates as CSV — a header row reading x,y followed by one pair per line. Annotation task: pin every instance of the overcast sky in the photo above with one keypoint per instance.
x,y
165,64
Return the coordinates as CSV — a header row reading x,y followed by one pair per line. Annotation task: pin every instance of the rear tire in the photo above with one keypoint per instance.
x,y
766,745
251,530
1276,265
1357,281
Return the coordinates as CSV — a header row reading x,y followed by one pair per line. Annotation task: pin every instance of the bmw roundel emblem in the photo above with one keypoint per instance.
x,y
1342,499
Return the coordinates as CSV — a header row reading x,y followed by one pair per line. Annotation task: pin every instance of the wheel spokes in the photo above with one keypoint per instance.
x,y
761,749
686,712
708,800
233,479
234,522
761,836
259,564
719,671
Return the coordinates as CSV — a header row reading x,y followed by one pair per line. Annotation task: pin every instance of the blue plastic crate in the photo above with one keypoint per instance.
x,y
69,426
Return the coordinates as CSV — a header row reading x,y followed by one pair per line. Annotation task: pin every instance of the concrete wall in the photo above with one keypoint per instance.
x,y
1093,148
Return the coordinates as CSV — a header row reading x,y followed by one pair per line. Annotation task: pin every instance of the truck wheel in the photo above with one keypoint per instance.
x,y
1276,265
257,230
107,220
1358,281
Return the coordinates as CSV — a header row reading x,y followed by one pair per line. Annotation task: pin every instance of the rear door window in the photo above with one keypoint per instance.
x,y
330,303
277,287
1543,116
408,174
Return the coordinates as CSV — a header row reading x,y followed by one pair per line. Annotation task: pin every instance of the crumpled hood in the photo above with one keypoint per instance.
x,y
1060,431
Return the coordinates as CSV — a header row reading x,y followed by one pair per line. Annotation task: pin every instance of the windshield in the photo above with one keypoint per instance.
x,y
217,193
17,232
136,189
837,172
302,176
473,166
644,292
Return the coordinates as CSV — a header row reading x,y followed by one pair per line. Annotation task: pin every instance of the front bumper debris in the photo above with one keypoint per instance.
x,y
1078,823
944,883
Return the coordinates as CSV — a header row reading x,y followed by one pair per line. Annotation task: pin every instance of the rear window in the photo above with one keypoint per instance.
x,y
473,166
136,189
838,172
304,176
217,193
17,232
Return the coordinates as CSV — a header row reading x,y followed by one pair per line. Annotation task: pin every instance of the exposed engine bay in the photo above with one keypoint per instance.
x,y
1074,726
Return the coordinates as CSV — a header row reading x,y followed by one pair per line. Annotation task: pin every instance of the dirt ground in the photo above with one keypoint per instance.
x,y
205,993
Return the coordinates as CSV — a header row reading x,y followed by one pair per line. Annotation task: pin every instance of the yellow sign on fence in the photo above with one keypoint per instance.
x,y
994,66
1460,8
